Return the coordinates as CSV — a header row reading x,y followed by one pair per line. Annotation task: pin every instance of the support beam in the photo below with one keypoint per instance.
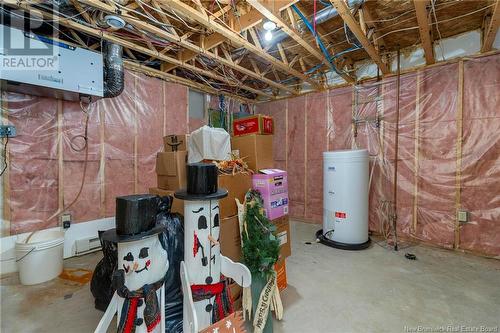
x,y
82,11
491,29
140,24
424,29
369,20
243,23
191,13
353,25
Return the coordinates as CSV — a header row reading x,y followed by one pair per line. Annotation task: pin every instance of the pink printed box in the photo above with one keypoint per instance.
x,y
273,185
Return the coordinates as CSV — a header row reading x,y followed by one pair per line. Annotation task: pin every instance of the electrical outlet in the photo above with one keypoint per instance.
x,y
463,216
66,220
7,131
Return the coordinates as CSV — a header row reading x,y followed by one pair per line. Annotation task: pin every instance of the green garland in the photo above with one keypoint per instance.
x,y
260,246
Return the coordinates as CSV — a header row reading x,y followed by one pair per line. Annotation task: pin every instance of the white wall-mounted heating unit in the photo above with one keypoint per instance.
x,y
38,65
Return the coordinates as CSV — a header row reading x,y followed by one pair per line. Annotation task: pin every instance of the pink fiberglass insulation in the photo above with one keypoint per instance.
x,y
277,110
33,166
428,157
339,118
316,143
150,114
176,108
481,156
119,130
296,155
124,135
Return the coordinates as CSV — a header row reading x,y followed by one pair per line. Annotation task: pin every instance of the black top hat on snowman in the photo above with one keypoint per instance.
x,y
135,218
201,183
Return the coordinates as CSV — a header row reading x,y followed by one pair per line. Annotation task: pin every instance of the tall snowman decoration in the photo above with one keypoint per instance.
x,y
139,300
206,299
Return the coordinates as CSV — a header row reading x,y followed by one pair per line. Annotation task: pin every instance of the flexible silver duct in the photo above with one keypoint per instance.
x,y
113,69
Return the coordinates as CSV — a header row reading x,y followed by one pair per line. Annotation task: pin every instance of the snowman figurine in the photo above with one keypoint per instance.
x,y
139,300
206,299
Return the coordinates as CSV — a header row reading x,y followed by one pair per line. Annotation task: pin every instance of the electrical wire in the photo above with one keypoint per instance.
x,y
86,112
437,28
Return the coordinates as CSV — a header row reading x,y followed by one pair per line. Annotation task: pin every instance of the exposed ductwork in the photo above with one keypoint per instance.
x,y
114,75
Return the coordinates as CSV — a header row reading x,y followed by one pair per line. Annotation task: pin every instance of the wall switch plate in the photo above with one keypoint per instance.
x,y
66,220
463,216
7,131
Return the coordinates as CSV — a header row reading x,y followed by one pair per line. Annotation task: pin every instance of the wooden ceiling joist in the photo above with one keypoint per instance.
x,y
139,24
353,25
235,39
491,28
243,23
424,29
378,41
133,46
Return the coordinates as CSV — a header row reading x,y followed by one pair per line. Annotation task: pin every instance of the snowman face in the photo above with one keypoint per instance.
x,y
202,239
144,261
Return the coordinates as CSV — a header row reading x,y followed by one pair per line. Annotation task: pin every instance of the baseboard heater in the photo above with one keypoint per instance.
x,y
87,245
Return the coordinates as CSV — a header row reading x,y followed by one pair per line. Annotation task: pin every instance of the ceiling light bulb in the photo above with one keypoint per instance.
x,y
268,36
269,25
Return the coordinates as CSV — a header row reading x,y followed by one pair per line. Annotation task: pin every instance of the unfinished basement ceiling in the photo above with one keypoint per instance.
x,y
219,45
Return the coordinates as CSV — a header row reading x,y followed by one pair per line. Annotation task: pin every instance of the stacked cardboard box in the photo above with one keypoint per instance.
x,y
255,149
171,169
230,241
255,124
175,142
252,141
273,185
237,186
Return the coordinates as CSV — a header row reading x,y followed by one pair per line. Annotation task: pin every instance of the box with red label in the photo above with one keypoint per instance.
x,y
273,185
257,124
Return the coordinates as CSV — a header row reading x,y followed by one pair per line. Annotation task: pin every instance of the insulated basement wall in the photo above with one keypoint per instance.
x,y
46,159
45,166
448,157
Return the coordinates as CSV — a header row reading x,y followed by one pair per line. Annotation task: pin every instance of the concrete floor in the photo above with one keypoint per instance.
x,y
329,290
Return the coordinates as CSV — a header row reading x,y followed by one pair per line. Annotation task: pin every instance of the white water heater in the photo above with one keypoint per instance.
x,y
345,199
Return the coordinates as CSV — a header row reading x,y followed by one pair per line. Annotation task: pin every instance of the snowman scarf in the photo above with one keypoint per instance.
x,y
223,305
134,299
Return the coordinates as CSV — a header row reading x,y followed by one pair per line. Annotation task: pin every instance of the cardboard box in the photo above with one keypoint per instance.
x,y
273,185
175,142
283,234
280,268
256,124
229,238
171,170
177,204
256,150
237,186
